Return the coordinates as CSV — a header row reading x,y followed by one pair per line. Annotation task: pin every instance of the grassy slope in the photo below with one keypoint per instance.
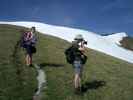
x,y
17,82
116,74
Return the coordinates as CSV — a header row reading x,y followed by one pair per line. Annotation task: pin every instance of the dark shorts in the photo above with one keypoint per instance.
x,y
78,67
28,49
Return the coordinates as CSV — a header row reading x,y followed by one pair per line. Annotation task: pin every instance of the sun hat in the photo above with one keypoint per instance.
x,y
78,37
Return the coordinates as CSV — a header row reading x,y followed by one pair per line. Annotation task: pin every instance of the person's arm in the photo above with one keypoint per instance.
x,y
82,47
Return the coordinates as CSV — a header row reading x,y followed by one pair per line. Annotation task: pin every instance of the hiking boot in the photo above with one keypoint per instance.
x,y
77,91
31,65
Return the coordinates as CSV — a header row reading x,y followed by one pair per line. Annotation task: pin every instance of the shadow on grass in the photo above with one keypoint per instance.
x,y
92,85
51,65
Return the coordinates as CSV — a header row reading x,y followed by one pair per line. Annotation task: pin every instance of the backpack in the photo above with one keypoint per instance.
x,y
69,53
24,43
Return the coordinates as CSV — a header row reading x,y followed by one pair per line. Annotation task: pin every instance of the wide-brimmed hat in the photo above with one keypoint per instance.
x,y
78,37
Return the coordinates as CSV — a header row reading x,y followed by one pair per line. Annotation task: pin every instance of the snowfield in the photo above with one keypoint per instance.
x,y
107,44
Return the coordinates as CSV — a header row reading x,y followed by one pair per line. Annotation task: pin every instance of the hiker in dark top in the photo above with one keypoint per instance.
x,y
77,58
28,42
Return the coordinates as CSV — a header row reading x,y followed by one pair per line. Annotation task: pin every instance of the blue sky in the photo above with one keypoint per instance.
x,y
101,16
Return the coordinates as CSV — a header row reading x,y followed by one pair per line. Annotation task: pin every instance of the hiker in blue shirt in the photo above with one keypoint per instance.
x,y
28,42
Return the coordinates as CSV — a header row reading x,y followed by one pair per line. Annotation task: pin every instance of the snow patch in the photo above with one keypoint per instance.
x,y
116,38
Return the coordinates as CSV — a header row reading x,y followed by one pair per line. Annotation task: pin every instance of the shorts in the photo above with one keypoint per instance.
x,y
28,49
78,67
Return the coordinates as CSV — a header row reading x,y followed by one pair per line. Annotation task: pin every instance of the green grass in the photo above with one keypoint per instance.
x,y
116,74
17,81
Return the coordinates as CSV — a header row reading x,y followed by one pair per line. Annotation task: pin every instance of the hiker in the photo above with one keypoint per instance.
x,y
28,42
75,55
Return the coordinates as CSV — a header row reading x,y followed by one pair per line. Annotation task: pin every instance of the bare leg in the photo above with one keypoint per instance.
x,y
76,81
80,77
30,59
79,82
27,59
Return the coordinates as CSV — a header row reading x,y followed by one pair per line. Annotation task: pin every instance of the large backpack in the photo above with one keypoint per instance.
x,y
72,52
69,53
24,43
